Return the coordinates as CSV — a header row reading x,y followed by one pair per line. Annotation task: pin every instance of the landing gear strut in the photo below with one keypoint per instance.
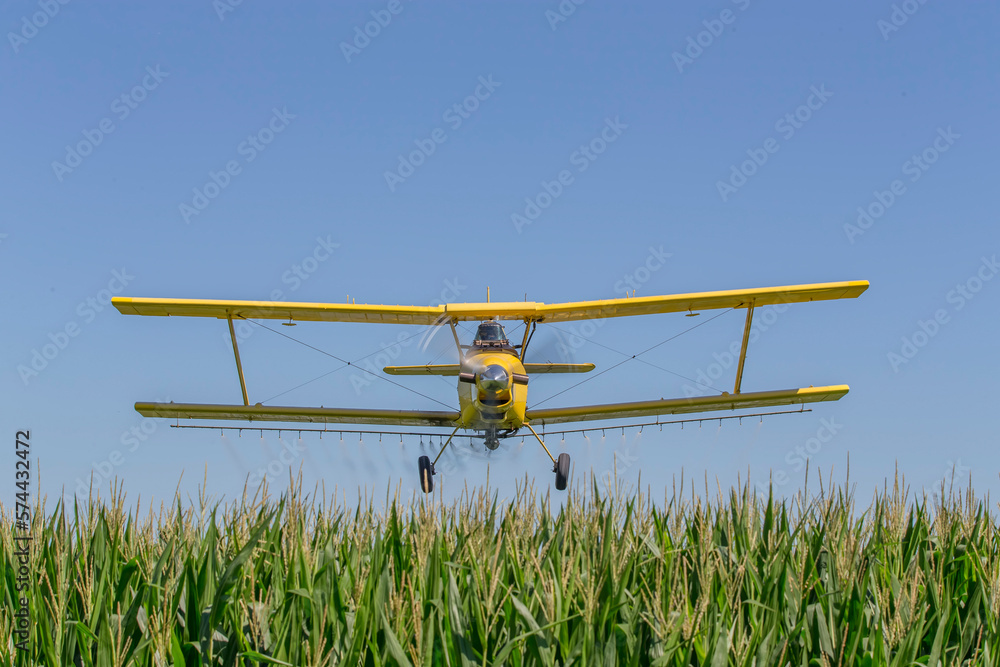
x,y
560,467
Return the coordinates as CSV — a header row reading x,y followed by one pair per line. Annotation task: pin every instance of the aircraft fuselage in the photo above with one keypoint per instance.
x,y
493,385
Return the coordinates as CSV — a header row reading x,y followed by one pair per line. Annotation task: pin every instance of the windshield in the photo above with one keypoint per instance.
x,y
491,332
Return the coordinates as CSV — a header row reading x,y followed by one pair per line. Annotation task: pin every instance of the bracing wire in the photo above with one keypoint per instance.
x,y
623,361
346,364
626,354
353,362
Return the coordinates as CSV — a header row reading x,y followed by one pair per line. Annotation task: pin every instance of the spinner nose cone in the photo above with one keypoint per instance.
x,y
494,378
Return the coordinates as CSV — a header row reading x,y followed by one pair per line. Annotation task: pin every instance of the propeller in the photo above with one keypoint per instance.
x,y
493,378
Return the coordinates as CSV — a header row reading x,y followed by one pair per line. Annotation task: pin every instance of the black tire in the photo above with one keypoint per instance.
x,y
562,471
426,474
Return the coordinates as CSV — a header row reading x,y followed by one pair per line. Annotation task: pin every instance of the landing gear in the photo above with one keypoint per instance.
x,y
492,441
426,473
427,467
561,469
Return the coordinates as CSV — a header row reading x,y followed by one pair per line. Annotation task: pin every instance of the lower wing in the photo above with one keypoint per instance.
x,y
673,406
290,414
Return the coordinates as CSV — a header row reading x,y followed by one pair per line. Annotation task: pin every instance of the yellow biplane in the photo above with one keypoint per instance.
x,y
492,373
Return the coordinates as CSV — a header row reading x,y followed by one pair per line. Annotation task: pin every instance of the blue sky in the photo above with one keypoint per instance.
x,y
254,151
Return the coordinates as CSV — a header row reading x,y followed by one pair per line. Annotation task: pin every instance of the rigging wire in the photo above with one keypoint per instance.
x,y
349,363
346,364
288,391
625,354
623,361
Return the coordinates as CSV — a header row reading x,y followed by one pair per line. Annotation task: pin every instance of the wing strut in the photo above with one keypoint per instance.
x,y
541,442
458,343
529,331
743,349
445,446
239,365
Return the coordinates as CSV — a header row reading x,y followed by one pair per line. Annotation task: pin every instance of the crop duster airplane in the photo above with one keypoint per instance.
x,y
492,373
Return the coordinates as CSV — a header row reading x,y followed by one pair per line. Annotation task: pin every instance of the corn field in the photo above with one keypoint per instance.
x,y
579,578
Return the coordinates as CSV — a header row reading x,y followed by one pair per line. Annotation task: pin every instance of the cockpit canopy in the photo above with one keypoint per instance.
x,y
491,332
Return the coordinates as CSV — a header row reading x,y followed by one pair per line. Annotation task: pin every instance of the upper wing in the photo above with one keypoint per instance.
x,y
287,414
281,310
526,310
697,301
725,401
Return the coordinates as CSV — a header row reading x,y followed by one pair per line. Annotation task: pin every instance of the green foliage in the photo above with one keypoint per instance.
x,y
741,580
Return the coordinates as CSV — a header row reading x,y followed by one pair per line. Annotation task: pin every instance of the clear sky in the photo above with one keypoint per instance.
x,y
264,150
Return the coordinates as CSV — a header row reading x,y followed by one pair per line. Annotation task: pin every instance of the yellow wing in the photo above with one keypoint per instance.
x,y
426,369
521,310
698,301
725,401
281,310
260,412
551,367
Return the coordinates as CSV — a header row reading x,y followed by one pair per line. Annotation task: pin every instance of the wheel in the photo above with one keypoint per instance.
x,y
562,471
426,473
